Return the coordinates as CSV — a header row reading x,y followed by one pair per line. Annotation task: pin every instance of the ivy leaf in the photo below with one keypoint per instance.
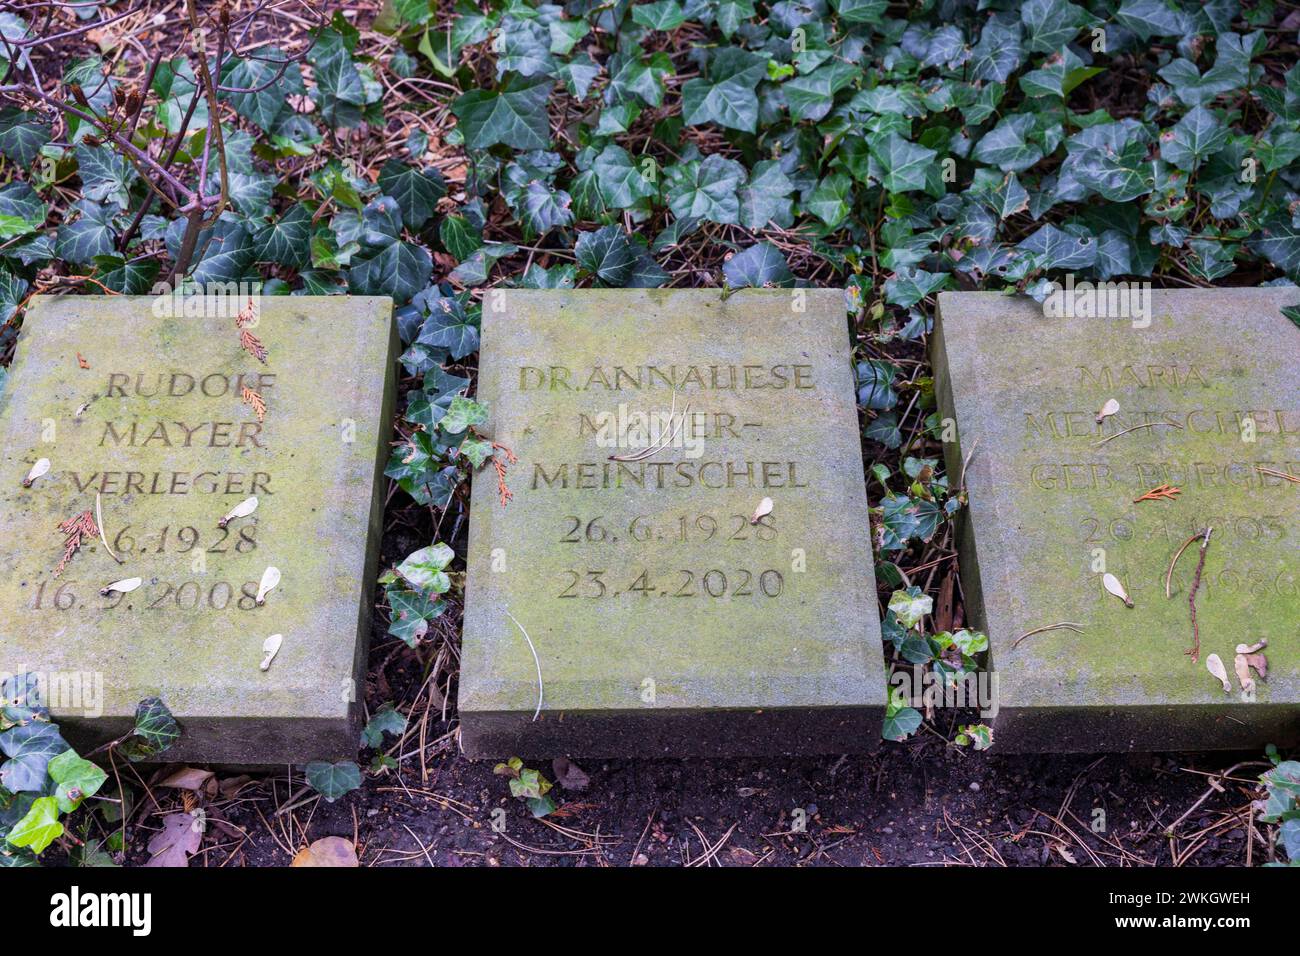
x,y
451,329
1057,249
426,568
155,730
1193,138
605,253
515,115
411,613
39,828
1149,18
265,80
860,11
731,103
811,97
620,181
901,723
417,191
399,269
705,189
766,197
22,134
340,93
760,266
12,290
76,777
105,176
30,748
1278,241
1007,145
463,413
333,780
543,209
228,253
21,210
662,15
1051,24
89,235
130,277
998,52
386,720
905,163
287,240
876,384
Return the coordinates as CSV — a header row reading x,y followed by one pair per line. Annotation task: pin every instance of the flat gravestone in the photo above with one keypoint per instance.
x,y
1208,393
663,620
146,410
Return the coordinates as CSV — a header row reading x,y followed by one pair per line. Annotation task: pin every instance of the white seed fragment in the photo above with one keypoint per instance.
x,y
125,586
1214,664
271,647
270,578
763,510
1111,584
241,510
38,469
1242,667
1107,410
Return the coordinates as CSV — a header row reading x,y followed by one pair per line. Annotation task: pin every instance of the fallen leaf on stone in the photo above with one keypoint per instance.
x,y
327,851
241,510
179,837
270,579
188,778
125,586
569,775
1110,408
1259,662
1111,584
763,510
271,647
38,469
1242,668
1214,664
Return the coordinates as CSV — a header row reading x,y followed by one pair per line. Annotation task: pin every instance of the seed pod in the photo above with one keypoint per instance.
x,y
241,510
762,511
125,586
38,469
270,578
1110,408
1111,584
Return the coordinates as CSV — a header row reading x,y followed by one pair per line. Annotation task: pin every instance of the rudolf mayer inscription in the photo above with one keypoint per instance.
x,y
186,455
1122,447
639,596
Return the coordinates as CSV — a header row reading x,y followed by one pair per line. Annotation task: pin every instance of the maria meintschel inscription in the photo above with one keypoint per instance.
x,y
1100,448
686,549
186,455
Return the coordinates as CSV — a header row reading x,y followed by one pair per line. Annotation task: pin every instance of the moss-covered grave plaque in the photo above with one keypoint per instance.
x,y
189,448
685,563
1132,461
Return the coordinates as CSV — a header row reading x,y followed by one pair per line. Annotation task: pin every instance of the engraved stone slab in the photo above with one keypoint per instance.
x,y
157,424
663,619
1053,507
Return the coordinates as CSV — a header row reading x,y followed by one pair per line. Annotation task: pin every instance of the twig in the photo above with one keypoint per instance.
x,y
537,662
1077,628
1135,428
1177,554
1277,474
1195,650
99,520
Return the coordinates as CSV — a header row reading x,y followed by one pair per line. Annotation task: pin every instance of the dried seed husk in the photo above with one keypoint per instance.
x,y
38,469
271,647
241,510
1242,667
1110,408
125,586
1111,584
270,578
762,511
1214,664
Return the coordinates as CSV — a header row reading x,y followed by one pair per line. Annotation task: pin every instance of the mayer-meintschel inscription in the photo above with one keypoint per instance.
x,y
177,490
685,563
1102,453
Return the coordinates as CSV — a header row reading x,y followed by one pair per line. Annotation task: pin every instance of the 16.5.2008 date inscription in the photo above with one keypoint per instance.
x,y
680,583
152,596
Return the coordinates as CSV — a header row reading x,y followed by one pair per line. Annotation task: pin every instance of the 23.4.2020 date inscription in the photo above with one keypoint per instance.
x,y
679,583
